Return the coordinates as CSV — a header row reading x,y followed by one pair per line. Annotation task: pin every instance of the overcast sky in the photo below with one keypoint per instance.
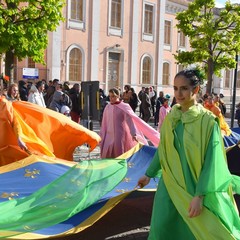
x,y
221,3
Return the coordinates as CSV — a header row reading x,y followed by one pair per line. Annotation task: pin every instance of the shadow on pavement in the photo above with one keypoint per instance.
x,y
130,219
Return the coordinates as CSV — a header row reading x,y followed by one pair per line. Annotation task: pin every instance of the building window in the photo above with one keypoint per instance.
x,y
180,67
148,19
76,13
182,40
77,10
148,22
75,65
115,17
166,73
31,63
116,7
146,70
227,78
167,32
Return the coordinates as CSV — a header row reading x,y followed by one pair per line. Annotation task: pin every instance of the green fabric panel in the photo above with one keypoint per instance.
x,y
200,129
179,145
166,222
74,191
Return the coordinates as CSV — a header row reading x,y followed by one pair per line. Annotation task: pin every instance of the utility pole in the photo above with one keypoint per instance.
x,y
234,92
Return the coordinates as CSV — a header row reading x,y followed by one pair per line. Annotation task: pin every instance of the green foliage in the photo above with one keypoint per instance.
x,y
24,26
214,35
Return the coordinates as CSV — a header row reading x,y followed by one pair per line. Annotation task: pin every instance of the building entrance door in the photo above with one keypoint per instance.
x,y
113,70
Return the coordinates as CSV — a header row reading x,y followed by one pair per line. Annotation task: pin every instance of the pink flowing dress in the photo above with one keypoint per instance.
x,y
119,125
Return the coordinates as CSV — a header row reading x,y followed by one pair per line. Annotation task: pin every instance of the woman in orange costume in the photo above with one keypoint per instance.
x,y
210,105
39,130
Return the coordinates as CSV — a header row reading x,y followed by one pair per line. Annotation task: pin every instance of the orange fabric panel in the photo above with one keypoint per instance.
x,y
44,131
59,133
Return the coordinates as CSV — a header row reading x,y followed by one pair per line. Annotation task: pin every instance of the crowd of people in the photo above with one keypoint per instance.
x,y
53,95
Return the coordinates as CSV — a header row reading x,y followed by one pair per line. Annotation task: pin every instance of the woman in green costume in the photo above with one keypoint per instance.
x,y
194,199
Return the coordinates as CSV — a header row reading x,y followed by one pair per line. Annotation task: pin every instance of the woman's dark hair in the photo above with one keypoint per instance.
x,y
195,76
127,87
39,84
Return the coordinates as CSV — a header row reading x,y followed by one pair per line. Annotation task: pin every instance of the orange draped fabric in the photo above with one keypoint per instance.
x,y
44,131
217,112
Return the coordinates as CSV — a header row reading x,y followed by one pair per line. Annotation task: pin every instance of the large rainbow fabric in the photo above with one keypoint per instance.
x,y
45,197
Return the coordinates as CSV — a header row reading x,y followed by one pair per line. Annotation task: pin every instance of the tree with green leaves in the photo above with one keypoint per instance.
x,y
214,36
24,27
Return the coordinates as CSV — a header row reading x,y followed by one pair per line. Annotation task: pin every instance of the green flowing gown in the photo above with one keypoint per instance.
x,y
167,222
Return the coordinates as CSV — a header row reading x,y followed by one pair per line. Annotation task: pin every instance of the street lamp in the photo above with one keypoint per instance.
x,y
234,92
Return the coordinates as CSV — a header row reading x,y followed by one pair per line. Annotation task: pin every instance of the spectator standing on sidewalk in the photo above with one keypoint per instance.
x,y
12,93
146,105
133,100
140,94
159,103
74,94
152,96
237,115
36,94
219,103
126,96
50,91
194,198
23,90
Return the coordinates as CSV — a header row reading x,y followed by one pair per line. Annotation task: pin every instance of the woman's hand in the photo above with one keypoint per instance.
x,y
143,181
134,138
195,207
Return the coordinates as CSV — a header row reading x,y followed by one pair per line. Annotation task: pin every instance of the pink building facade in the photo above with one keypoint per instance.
x,y
118,42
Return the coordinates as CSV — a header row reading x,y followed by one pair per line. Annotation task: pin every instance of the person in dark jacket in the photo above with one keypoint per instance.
x,y
23,91
159,103
133,100
74,94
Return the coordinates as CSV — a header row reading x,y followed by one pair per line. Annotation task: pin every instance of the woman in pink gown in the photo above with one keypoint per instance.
x,y
164,110
122,129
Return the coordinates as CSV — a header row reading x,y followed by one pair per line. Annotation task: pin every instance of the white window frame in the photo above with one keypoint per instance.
x,y
179,46
113,30
67,62
146,36
230,77
73,23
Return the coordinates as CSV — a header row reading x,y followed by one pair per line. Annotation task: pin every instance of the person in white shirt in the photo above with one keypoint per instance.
x,y
36,94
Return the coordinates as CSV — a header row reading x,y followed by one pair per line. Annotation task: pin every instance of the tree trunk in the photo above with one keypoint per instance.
x,y
9,61
210,76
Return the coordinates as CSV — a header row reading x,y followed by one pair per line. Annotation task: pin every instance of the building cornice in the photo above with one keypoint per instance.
x,y
175,6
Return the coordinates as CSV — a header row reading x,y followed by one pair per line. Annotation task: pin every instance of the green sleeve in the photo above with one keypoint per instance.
x,y
154,169
215,176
